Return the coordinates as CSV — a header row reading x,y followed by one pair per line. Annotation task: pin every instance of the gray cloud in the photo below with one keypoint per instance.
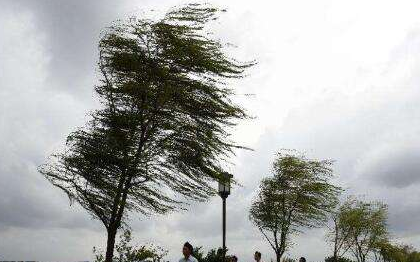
x,y
397,168
71,29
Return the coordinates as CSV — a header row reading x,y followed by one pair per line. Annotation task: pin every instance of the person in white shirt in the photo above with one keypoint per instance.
x,y
187,251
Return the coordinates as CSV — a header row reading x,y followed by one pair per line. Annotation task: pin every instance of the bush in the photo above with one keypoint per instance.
x,y
340,259
214,255
288,259
125,252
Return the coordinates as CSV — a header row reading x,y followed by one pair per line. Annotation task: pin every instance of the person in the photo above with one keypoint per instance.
x,y
257,256
302,259
187,251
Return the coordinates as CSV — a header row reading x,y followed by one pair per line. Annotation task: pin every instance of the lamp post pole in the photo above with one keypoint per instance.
x,y
224,227
224,191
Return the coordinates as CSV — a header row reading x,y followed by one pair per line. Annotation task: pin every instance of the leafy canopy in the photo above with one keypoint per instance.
x,y
298,195
163,128
367,222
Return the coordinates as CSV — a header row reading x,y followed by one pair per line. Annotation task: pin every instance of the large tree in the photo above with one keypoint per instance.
x,y
162,133
298,195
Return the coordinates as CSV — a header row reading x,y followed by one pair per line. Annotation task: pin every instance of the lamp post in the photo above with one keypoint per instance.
x,y
224,192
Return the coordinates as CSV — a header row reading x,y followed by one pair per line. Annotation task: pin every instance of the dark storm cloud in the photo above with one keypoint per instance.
x,y
404,215
398,168
73,29
27,201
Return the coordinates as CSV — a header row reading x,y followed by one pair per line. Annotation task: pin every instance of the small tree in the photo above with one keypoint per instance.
x,y
161,136
339,233
411,254
389,252
298,195
367,222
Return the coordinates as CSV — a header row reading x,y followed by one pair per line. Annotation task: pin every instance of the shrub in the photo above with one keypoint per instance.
x,y
288,259
340,259
214,255
125,252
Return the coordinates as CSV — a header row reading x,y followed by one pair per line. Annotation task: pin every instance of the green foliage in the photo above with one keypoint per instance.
x,y
387,252
214,255
367,224
198,254
339,259
298,195
125,252
162,134
340,234
288,259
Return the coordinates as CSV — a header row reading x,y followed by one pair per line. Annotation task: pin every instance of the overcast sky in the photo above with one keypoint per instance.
x,y
336,79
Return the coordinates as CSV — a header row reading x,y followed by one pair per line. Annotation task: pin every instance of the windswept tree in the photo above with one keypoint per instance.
x,y
368,226
389,252
161,135
299,195
340,231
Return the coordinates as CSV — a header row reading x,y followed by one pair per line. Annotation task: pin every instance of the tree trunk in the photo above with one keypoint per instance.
x,y
278,256
277,250
118,211
110,244
335,256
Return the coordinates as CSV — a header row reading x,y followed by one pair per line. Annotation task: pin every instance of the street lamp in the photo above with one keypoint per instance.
x,y
224,192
